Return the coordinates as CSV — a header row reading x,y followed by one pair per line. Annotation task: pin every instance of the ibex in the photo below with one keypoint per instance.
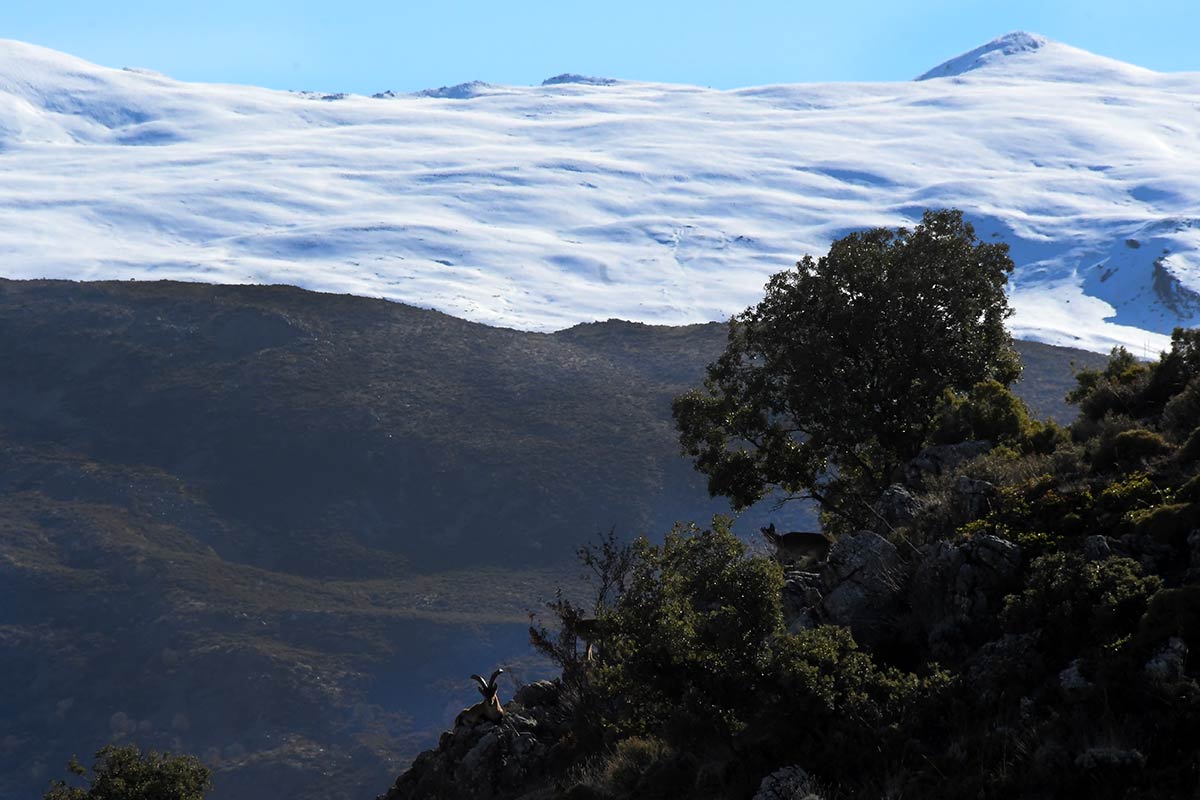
x,y
798,545
488,708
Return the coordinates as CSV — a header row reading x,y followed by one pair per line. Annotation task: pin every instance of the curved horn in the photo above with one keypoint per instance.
x,y
482,684
492,680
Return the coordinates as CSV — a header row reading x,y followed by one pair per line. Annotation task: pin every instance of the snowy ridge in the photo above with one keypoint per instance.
x,y
585,198
1028,55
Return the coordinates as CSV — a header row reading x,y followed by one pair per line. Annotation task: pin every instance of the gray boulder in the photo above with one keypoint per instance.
x,y
940,459
788,783
959,587
973,499
801,600
537,694
863,581
1097,548
895,508
1168,665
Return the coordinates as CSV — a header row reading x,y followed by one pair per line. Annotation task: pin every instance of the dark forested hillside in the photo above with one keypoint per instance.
x,y
263,525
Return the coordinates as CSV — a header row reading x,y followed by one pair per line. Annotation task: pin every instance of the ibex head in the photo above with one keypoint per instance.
x,y
770,533
488,688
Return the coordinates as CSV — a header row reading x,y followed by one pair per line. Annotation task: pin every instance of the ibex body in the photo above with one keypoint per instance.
x,y
488,708
798,545
585,629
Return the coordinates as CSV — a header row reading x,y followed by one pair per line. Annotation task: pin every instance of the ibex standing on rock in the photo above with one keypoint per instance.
x,y
798,545
488,708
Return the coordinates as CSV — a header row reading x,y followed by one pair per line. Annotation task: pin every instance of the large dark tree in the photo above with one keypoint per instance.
x,y
832,381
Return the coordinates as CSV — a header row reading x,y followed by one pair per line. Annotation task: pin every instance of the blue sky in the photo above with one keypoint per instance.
x,y
367,46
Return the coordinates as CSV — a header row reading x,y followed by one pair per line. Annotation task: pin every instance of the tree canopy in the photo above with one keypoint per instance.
x,y
833,379
125,773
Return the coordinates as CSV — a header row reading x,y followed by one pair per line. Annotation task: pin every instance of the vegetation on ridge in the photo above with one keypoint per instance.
x,y
1039,588
180,506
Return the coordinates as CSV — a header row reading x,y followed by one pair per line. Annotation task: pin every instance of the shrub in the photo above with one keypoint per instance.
x,y
1133,492
1129,448
686,643
1190,452
834,703
988,411
1114,390
125,773
1172,612
1167,524
1078,605
1182,411
1176,368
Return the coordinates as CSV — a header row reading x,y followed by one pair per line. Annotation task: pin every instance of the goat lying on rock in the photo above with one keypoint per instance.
x,y
488,708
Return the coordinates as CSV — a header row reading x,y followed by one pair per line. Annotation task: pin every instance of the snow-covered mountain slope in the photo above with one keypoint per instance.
x,y
582,199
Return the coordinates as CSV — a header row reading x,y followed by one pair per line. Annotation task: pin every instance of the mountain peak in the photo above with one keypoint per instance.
x,y
1032,55
1010,44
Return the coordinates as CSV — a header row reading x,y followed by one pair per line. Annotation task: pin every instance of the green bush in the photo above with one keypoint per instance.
x,y
125,773
1189,492
1133,492
1076,605
686,643
1181,412
1114,390
1130,448
1190,452
1175,369
693,656
1172,612
1168,524
991,411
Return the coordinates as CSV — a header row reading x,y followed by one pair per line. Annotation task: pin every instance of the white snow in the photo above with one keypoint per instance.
x,y
583,199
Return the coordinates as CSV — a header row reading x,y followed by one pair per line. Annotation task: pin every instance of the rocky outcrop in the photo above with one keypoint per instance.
x,y
958,590
863,579
896,508
943,598
788,783
973,499
508,759
940,459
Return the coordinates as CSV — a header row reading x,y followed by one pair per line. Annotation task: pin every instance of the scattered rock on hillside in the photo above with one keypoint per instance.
x,y
864,577
896,507
801,599
958,589
788,783
939,459
1097,548
973,499
1168,665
